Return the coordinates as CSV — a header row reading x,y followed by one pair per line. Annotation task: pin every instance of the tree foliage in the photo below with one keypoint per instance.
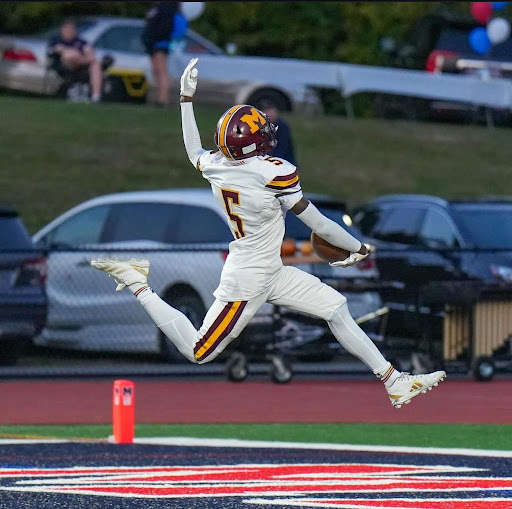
x,y
340,31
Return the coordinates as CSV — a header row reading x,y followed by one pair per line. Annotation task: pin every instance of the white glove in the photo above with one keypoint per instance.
x,y
189,79
352,259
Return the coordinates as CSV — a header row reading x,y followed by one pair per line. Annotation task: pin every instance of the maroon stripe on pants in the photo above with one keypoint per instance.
x,y
227,331
215,324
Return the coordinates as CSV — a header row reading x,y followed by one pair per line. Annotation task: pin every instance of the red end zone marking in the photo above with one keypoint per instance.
x,y
244,480
490,503
243,487
257,471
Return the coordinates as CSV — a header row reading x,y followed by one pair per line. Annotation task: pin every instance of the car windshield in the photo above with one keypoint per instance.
x,y
297,230
454,40
486,226
457,40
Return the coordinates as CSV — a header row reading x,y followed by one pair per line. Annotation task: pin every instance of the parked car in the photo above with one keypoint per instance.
x,y
440,32
453,54
186,237
422,239
23,303
438,42
225,79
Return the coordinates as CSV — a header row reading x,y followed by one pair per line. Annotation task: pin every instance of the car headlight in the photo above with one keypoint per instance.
x,y
502,273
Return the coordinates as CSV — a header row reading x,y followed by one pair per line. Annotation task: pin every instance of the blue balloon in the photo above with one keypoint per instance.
x,y
180,26
479,40
498,6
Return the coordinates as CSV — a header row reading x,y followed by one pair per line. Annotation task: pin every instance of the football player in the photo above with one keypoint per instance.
x,y
255,190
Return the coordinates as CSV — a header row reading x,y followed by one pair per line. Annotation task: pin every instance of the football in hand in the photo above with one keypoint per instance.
x,y
327,251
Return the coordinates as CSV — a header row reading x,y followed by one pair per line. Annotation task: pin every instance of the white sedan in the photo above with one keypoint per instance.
x,y
225,79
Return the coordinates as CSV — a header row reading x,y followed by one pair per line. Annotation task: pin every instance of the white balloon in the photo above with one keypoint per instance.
x,y
192,10
498,30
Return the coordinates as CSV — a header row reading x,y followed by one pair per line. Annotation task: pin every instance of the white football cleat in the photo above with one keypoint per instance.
x,y
407,386
124,272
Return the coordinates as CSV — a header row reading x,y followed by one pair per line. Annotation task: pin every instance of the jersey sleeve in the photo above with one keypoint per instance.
x,y
206,157
285,185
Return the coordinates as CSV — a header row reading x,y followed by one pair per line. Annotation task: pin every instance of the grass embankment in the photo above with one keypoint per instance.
x,y
54,155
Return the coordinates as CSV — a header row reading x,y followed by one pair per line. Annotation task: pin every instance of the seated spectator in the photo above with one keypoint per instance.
x,y
75,54
284,148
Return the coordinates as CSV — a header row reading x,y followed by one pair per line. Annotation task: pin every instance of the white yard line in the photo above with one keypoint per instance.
x,y
261,444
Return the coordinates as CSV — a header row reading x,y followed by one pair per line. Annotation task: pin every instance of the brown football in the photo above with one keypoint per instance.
x,y
327,251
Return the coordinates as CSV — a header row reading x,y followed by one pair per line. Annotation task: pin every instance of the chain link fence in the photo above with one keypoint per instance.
x,y
84,327
74,323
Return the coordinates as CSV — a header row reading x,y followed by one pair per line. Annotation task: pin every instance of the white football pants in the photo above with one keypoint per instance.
x,y
294,289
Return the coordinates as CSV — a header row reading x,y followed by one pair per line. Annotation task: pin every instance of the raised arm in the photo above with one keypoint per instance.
x,y
331,232
191,136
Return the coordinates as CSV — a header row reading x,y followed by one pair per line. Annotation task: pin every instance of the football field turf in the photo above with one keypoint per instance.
x,y
413,435
216,473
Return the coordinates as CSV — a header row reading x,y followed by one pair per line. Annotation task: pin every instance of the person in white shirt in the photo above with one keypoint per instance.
x,y
256,191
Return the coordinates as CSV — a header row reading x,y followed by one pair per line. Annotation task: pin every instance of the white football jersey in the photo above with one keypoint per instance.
x,y
255,194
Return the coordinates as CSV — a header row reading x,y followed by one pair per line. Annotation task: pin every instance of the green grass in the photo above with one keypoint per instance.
x,y
55,155
421,435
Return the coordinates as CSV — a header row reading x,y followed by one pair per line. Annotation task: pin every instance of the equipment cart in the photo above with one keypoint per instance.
x,y
285,335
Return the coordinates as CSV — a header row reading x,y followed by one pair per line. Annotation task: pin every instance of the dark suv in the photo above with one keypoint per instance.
x,y
22,294
438,42
422,239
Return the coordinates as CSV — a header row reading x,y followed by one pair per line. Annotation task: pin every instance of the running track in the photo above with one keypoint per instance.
x,y
90,402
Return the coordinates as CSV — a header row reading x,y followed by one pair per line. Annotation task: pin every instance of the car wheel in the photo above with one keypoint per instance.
x,y
191,305
10,351
483,369
280,370
236,367
275,97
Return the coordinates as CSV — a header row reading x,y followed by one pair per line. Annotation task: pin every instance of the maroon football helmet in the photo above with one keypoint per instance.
x,y
244,131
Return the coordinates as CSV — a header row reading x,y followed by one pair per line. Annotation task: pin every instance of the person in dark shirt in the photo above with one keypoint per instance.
x,y
284,147
75,53
156,38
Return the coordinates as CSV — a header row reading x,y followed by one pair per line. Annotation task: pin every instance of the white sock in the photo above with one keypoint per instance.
x,y
95,98
138,288
173,323
389,376
356,342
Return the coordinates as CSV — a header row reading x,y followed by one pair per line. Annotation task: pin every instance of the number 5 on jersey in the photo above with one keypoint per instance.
x,y
231,198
